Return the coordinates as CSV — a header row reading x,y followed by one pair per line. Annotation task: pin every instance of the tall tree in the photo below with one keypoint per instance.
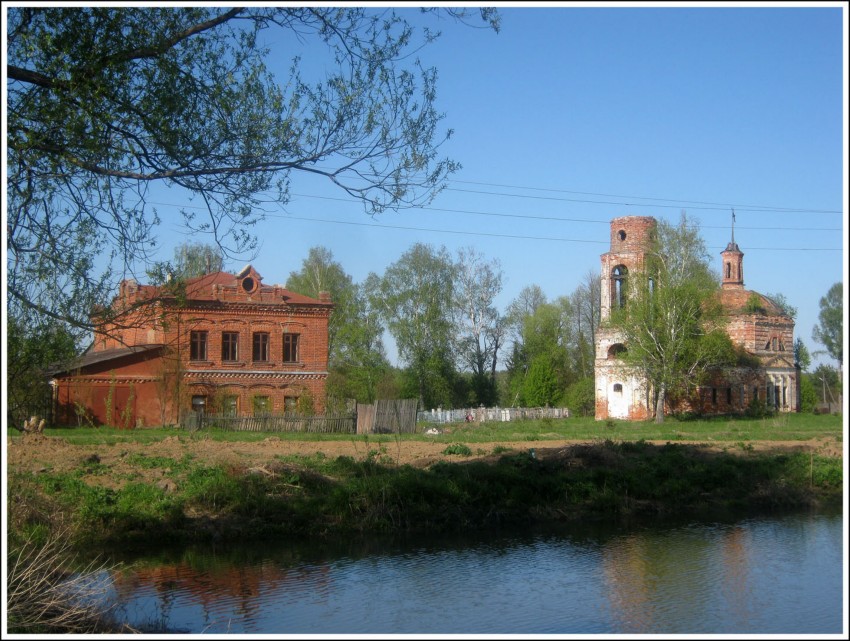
x,y
478,322
526,303
104,102
671,323
529,299
320,272
828,383
802,358
360,364
587,313
196,259
829,331
357,360
414,299
541,367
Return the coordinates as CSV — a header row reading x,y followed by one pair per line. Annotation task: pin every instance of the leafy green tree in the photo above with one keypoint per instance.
x,y
525,304
414,299
104,102
197,259
829,331
580,397
546,335
782,303
801,355
586,304
808,394
357,360
827,382
540,387
671,324
321,273
360,369
31,350
480,328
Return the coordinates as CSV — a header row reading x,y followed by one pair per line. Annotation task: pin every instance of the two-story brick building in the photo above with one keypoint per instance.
x,y
752,320
224,342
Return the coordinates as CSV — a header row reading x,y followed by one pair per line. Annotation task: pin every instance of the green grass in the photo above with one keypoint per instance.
x,y
783,427
318,495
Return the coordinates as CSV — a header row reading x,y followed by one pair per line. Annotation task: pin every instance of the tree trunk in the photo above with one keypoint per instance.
x,y
659,406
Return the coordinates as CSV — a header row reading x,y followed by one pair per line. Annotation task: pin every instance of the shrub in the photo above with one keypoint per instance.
x,y
759,409
580,397
458,448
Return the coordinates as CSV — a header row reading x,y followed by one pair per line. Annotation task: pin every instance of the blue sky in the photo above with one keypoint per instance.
x,y
582,114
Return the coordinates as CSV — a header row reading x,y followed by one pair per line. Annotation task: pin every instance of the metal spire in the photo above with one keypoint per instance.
x,y
733,225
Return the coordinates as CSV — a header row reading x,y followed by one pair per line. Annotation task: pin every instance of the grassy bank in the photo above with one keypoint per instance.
x,y
615,474
322,496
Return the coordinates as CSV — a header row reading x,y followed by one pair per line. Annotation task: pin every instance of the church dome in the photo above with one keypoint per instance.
x,y
740,302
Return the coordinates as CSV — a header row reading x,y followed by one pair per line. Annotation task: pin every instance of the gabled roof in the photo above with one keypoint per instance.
x,y
89,358
207,288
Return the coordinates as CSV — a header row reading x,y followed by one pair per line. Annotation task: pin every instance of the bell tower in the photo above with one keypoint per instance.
x,y
619,392
733,263
630,236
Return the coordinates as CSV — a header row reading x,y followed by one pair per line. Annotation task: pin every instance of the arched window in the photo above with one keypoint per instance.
x,y
618,388
728,270
619,277
616,350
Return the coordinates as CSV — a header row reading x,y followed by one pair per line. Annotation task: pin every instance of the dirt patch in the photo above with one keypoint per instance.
x,y
37,453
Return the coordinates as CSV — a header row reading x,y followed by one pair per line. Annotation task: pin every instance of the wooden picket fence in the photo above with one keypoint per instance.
x,y
382,417
388,417
345,423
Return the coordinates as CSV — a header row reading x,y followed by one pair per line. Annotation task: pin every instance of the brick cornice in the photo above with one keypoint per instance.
x,y
219,375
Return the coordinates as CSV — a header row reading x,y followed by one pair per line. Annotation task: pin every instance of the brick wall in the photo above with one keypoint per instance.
x,y
217,303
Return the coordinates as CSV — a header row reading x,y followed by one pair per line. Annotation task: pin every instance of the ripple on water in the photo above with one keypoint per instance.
x,y
763,576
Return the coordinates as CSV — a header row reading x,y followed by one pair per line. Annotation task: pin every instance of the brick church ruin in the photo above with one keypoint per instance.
x,y
223,342
753,322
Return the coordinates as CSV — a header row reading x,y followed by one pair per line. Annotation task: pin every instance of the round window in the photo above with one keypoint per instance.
x,y
248,284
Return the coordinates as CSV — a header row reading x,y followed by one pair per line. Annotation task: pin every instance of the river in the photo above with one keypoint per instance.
x,y
765,575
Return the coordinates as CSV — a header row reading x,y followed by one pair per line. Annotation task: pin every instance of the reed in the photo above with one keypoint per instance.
x,y
46,597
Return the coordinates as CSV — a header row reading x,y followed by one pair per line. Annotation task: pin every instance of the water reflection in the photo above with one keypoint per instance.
x,y
760,576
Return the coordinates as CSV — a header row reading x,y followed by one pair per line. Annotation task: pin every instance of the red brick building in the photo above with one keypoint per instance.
x,y
223,342
753,322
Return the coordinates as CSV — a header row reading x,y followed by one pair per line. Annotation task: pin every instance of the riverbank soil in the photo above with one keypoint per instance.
x,y
37,453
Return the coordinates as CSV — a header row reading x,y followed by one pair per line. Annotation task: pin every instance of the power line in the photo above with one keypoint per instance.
x,y
438,231
627,204
709,205
480,233
511,236
571,220
723,206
